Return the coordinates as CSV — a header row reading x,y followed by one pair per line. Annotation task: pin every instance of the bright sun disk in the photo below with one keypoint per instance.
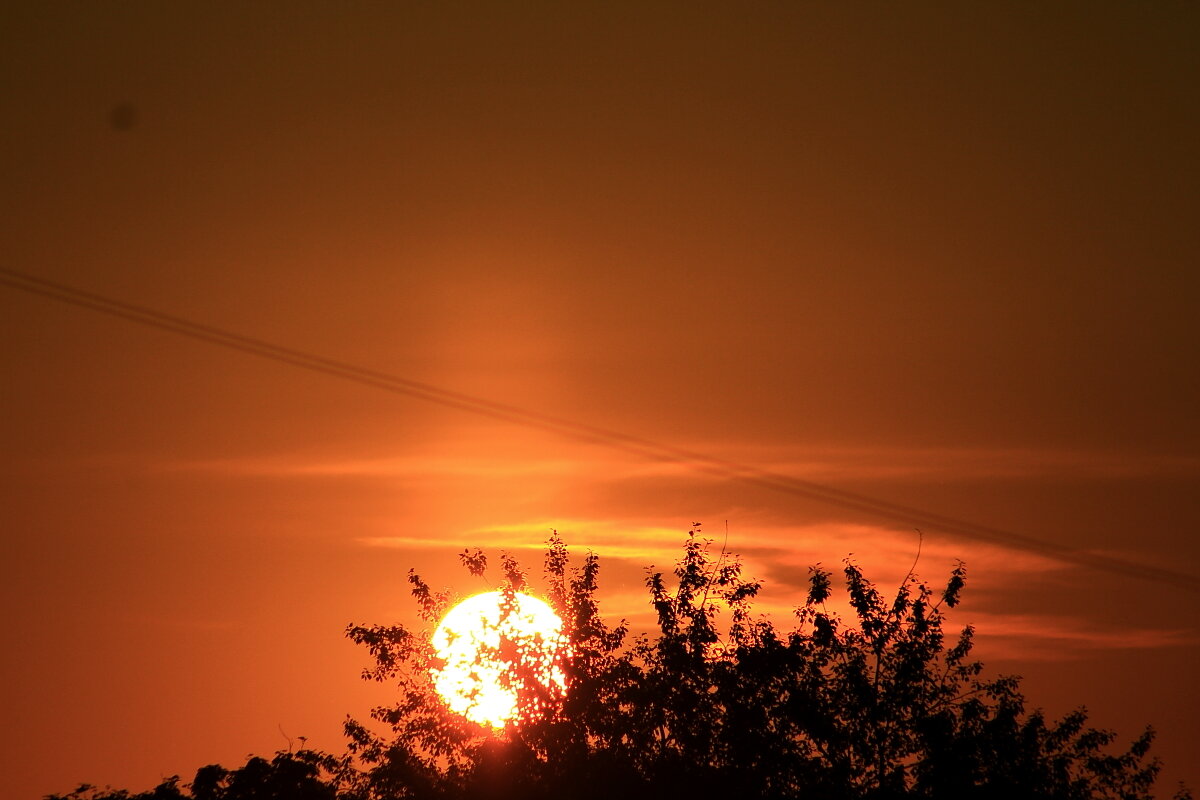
x,y
487,651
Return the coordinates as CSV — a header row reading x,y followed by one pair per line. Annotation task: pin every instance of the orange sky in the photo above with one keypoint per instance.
x,y
941,256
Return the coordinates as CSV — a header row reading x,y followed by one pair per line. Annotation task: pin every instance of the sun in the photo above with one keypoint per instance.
x,y
498,657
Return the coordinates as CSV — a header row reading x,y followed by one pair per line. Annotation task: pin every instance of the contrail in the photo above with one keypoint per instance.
x,y
645,448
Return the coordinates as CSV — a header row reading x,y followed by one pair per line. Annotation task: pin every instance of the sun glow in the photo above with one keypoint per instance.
x,y
499,658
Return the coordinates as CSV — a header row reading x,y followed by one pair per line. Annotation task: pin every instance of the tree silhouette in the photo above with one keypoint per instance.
x,y
301,775
714,700
719,700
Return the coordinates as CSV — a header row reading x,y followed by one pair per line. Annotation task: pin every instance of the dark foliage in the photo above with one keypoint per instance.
x,y
714,701
303,775
718,700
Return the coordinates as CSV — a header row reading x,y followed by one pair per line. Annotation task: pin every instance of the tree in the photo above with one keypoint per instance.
x,y
301,775
718,700
714,700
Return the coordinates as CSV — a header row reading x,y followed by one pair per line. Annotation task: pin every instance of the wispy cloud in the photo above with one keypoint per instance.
x,y
606,538
854,463
400,467
1048,637
820,463
781,556
614,524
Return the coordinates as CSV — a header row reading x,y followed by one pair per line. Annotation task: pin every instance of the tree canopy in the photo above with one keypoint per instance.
x,y
713,700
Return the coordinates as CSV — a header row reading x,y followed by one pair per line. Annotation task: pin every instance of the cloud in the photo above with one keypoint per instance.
x,y
613,506
488,458
606,538
853,463
414,467
1048,637
780,556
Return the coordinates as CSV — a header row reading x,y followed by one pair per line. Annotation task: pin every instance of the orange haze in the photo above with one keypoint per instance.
x,y
943,255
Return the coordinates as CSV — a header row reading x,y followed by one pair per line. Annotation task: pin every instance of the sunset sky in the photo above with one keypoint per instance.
x,y
941,255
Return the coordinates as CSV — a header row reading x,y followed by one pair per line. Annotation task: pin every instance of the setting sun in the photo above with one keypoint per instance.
x,y
492,653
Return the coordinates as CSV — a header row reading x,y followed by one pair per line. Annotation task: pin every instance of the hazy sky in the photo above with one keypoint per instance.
x,y
944,255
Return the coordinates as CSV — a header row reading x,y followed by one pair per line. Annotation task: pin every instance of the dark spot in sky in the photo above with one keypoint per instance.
x,y
123,116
